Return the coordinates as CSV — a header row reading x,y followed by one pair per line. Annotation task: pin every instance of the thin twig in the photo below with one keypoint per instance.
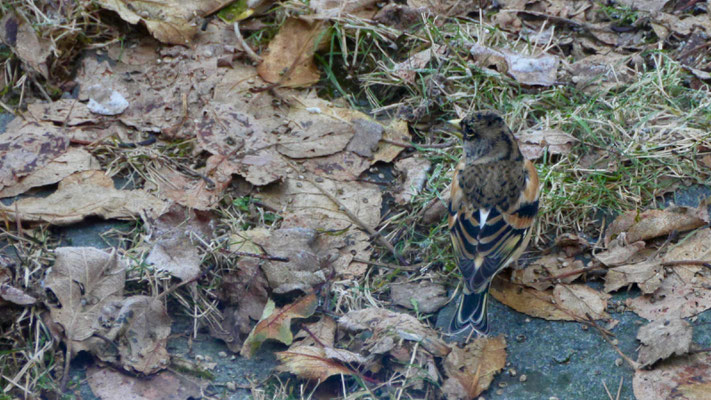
x,y
700,263
600,267
260,256
634,364
250,53
413,267
416,145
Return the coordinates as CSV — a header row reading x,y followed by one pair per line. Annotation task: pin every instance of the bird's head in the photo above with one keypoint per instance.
x,y
486,137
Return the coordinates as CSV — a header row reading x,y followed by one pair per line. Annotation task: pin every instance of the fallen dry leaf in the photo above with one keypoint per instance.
x,y
407,70
301,246
683,378
470,370
83,194
648,275
27,146
415,170
21,37
337,8
73,160
618,254
683,293
139,328
177,255
320,333
423,296
314,363
69,112
170,21
654,223
601,72
534,143
535,274
305,206
396,131
84,281
276,323
663,338
367,135
109,384
384,323
288,59
563,303
541,71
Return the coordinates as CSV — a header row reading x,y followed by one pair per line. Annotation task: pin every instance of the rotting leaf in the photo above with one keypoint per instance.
x,y
683,378
385,323
396,131
288,59
20,36
83,194
471,370
85,281
407,70
276,323
535,274
618,254
662,339
69,112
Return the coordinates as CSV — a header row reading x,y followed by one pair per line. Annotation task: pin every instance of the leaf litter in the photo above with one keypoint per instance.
x,y
295,153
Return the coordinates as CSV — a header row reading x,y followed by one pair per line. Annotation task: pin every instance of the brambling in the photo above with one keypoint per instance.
x,y
494,199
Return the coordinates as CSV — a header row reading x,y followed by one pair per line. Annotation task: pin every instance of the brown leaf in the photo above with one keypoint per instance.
x,y
601,72
366,137
83,194
71,112
415,170
564,303
683,378
276,323
27,146
654,223
648,275
140,328
288,59
170,21
662,339
342,166
617,254
74,160
338,8
385,323
323,331
16,296
535,274
109,384
426,297
396,131
644,5
84,281
534,143
22,38
685,292
313,362
471,370
305,268
305,206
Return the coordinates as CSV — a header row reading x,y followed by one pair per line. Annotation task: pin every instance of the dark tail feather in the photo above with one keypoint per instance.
x,y
471,312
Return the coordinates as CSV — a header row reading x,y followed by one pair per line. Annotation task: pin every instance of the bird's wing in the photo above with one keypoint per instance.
x,y
487,240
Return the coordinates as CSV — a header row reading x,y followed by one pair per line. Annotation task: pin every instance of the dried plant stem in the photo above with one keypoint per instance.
x,y
634,364
250,53
600,267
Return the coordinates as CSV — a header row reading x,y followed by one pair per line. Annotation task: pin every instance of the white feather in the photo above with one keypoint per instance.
x,y
483,215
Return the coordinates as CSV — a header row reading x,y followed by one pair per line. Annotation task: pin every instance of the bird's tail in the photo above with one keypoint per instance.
x,y
471,312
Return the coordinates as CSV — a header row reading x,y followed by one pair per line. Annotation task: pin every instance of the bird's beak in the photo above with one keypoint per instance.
x,y
457,123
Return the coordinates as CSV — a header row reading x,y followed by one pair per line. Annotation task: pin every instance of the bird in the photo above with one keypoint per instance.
x,y
492,206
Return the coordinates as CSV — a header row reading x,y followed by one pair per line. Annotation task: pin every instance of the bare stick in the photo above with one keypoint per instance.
x,y
634,364
250,53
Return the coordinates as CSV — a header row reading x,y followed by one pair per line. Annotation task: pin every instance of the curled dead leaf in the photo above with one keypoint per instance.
x,y
534,143
662,339
471,370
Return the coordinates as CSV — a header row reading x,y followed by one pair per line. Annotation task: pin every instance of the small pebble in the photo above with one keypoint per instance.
x,y
503,384
500,392
527,320
231,386
512,372
618,362
615,342
585,327
553,398
523,378
222,354
199,357
520,337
